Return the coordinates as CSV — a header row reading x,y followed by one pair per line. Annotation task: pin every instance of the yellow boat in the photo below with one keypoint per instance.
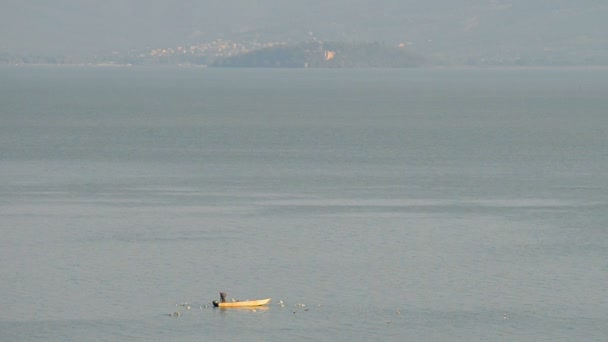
x,y
241,304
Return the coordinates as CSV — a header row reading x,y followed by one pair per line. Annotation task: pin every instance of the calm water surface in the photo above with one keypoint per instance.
x,y
396,205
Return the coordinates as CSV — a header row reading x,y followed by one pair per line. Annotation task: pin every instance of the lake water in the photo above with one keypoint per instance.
x,y
396,205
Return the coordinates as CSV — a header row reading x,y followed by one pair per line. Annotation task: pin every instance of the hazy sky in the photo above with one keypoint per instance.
x,y
68,26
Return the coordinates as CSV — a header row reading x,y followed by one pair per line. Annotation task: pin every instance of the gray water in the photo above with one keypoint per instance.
x,y
396,205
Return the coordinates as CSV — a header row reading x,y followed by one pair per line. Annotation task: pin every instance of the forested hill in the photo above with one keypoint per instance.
x,y
326,55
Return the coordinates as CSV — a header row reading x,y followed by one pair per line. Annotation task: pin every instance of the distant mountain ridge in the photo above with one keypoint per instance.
x,y
451,31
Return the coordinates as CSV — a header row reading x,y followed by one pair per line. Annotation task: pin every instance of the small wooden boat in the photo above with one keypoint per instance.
x,y
241,304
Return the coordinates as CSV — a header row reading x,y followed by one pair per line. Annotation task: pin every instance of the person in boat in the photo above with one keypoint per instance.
x,y
222,299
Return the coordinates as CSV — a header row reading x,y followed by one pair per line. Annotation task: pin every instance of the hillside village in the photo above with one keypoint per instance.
x,y
225,53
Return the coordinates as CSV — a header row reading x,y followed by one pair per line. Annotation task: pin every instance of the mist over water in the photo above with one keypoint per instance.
x,y
395,204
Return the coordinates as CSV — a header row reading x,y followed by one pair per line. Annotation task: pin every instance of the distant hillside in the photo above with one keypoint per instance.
x,y
474,32
326,55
